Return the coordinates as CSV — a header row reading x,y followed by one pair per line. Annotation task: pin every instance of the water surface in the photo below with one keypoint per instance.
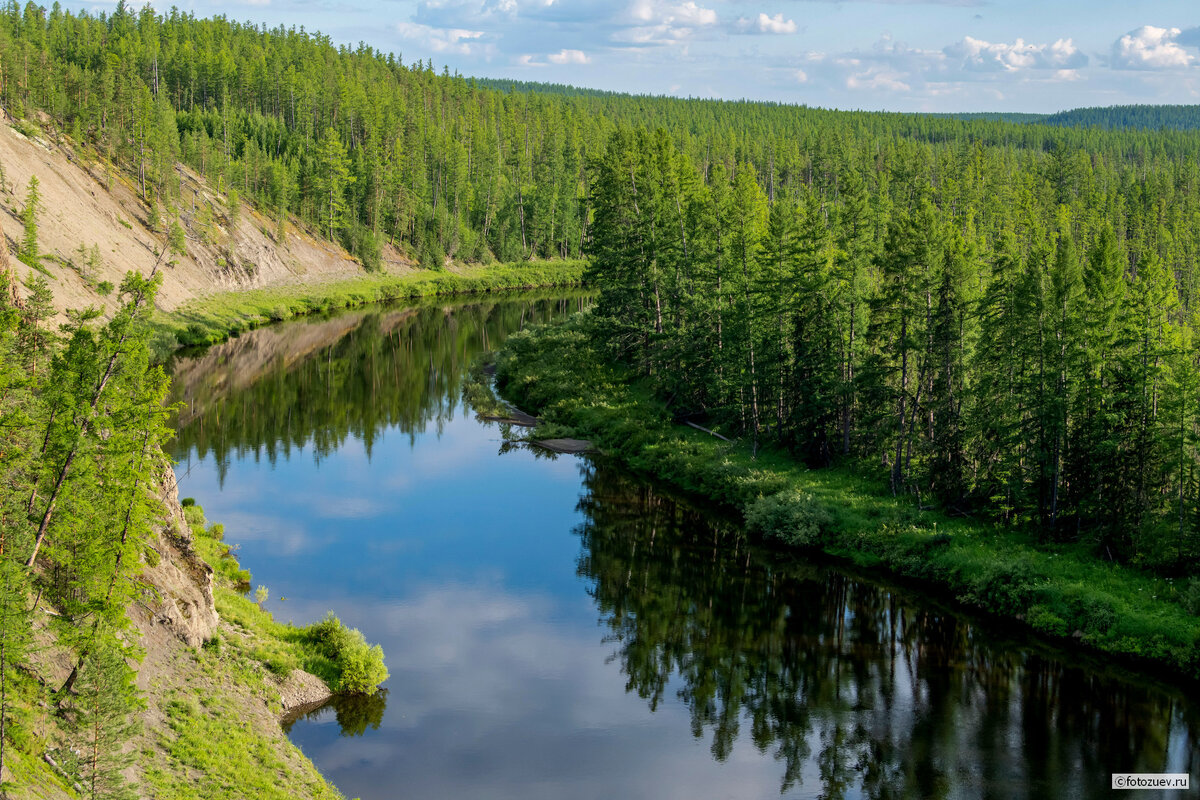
x,y
556,628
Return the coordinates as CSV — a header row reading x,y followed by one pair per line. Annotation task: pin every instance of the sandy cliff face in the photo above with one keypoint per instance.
x,y
85,203
180,597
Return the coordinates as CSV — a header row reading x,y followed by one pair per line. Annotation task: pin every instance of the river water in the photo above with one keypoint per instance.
x,y
558,628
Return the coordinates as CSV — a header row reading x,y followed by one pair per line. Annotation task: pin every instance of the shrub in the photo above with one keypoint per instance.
x,y
1191,598
791,516
362,669
1002,587
357,667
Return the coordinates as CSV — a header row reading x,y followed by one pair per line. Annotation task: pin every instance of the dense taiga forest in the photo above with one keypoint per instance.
x,y
997,316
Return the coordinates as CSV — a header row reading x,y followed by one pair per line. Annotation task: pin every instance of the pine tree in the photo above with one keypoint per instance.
x,y
332,177
104,704
29,252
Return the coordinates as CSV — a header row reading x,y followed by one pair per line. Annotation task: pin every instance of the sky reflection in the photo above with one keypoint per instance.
x,y
556,628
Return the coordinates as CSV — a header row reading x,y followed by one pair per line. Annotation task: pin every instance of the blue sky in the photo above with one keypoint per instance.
x,y
905,55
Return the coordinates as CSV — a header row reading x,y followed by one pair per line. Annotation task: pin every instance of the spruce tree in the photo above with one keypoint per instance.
x,y
29,252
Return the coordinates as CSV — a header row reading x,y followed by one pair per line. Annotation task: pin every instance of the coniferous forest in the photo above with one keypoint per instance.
x,y
997,317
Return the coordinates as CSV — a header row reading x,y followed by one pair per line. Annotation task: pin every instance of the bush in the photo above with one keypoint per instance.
x,y
1191,598
362,669
357,667
791,516
1002,587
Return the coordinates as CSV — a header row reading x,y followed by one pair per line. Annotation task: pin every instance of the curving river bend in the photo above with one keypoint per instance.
x,y
558,628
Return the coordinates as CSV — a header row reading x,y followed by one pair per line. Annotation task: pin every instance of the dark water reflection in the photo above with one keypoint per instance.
x,y
317,381
557,628
855,689
354,714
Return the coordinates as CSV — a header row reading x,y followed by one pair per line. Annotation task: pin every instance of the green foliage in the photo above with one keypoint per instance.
x,y
233,210
104,288
29,251
559,372
1192,596
105,700
356,667
176,239
790,516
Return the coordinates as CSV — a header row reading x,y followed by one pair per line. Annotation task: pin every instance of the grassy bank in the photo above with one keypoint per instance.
x,y
337,655
217,317
213,748
1063,592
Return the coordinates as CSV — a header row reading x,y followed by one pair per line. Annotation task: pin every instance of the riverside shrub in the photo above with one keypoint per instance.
x,y
357,667
791,516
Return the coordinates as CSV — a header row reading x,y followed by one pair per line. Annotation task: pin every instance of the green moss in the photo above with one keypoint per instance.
x,y
1059,591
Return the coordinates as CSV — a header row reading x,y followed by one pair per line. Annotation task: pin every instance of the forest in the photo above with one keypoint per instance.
x,y
1004,332
370,151
996,317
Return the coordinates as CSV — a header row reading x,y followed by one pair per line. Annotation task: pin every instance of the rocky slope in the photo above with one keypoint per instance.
x,y
202,686
84,203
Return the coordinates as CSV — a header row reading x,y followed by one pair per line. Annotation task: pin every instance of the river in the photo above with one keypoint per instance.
x,y
558,628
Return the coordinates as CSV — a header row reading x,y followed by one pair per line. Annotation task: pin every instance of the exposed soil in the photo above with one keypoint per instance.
x,y
85,203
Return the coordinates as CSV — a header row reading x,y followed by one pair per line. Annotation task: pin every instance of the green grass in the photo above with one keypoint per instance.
x,y
334,653
213,319
1061,591
214,753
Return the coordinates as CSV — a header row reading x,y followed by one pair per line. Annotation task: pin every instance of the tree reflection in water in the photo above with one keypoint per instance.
x,y
847,682
355,713
318,381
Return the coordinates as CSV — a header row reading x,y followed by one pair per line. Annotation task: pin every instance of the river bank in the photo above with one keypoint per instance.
x,y
214,318
1061,592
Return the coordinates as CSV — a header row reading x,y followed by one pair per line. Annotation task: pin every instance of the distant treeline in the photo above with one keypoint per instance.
x,y
1175,118
369,150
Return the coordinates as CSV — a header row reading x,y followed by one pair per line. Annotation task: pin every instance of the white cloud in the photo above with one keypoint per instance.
x,y
457,13
569,57
981,56
458,41
801,76
879,78
1150,47
658,22
765,24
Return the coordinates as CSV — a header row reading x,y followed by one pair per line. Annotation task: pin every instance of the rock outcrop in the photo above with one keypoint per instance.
x,y
180,597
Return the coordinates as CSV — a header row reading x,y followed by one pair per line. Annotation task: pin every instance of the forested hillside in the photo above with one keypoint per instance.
x,y
998,318
1179,118
1007,331
1001,314
368,149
